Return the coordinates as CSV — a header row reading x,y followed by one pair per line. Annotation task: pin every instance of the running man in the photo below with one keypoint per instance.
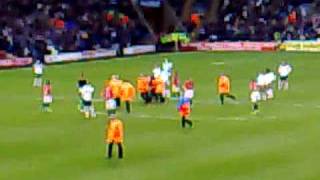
x,y
184,108
81,82
224,87
255,96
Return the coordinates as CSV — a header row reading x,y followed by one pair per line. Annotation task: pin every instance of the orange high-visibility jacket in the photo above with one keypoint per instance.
x,y
115,85
127,92
223,84
143,84
160,86
114,131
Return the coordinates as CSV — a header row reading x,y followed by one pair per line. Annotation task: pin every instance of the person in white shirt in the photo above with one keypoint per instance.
x,y
167,66
270,77
38,72
284,71
166,78
156,71
87,92
261,84
166,75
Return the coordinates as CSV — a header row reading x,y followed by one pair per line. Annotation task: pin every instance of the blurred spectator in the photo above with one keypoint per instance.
x,y
262,20
34,27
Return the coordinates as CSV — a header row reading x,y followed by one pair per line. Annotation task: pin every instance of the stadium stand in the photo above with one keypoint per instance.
x,y
32,28
28,27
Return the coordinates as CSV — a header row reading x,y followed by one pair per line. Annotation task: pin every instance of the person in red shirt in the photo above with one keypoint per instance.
x,y
47,96
110,103
188,89
254,96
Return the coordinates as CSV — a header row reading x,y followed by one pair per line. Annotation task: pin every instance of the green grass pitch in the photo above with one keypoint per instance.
x,y
282,142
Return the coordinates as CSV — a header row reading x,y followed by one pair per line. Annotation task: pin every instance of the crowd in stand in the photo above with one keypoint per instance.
x,y
35,27
29,27
262,20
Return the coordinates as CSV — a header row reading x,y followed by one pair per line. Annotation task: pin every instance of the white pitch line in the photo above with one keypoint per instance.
x,y
236,118
98,100
101,113
298,105
218,63
55,98
233,118
271,117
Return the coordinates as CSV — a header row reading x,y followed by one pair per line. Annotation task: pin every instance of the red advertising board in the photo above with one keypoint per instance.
x,y
232,46
79,56
16,62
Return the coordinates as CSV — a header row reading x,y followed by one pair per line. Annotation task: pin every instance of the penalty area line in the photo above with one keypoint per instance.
x,y
234,118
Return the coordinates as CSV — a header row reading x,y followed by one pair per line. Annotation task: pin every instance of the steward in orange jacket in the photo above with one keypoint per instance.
x,y
224,86
160,89
153,86
143,87
127,94
114,135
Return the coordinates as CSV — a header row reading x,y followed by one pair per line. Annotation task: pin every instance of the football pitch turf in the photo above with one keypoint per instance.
x,y
227,142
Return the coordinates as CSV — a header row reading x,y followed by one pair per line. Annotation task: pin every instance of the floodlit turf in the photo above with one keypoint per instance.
x,y
282,142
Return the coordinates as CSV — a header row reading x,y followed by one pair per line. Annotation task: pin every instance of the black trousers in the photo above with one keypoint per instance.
x,y
118,102
160,98
153,95
145,97
255,107
185,121
120,150
228,95
128,106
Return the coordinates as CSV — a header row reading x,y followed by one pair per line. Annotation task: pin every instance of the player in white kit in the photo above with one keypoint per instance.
x,y
38,72
284,71
270,77
87,92
261,85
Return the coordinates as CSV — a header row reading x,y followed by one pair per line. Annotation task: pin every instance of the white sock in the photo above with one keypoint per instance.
x,y
92,112
286,85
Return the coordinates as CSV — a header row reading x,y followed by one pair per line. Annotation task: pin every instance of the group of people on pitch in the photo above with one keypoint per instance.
x,y
114,93
158,87
114,131
47,98
262,87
